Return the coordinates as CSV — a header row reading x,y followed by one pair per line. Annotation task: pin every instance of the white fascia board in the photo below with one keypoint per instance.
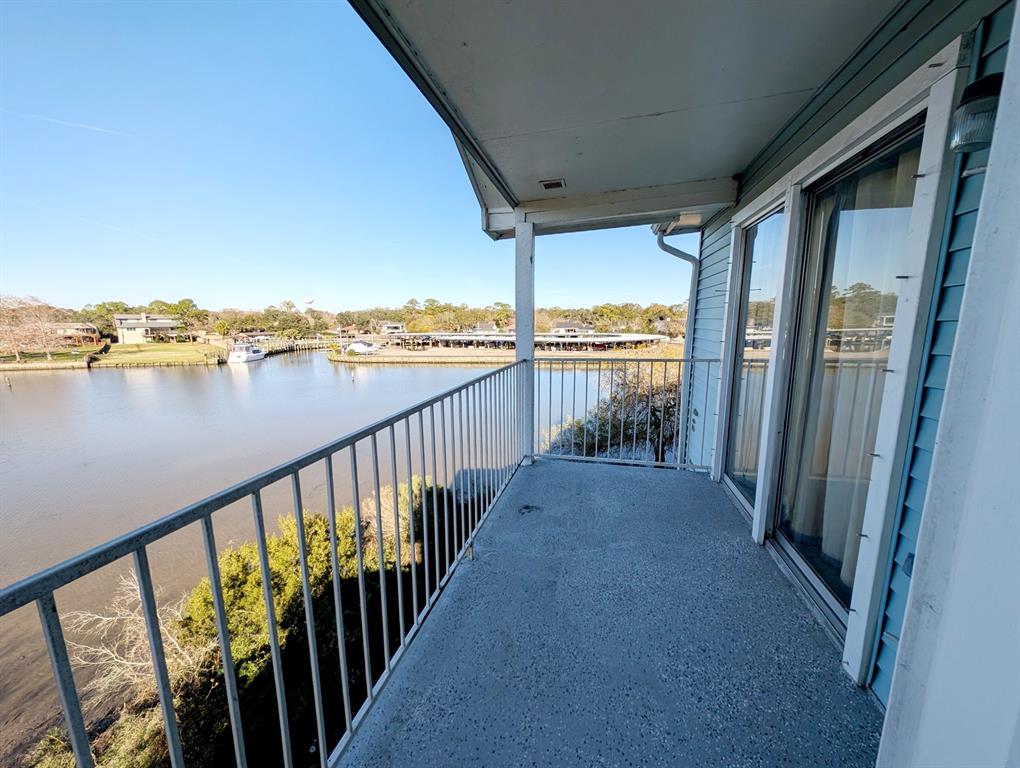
x,y
696,200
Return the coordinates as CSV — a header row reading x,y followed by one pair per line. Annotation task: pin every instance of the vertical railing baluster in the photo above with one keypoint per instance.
x,y
472,480
70,703
584,422
598,400
306,588
359,550
563,382
413,554
166,697
383,606
659,456
637,398
507,416
518,410
426,549
548,445
479,453
679,416
538,411
491,412
497,424
518,452
457,464
274,636
398,569
704,411
498,414
446,488
465,482
223,630
338,606
623,406
435,494
648,413
486,442
609,415
573,406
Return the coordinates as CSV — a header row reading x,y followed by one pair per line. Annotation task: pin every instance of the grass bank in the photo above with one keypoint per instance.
x,y
158,354
38,361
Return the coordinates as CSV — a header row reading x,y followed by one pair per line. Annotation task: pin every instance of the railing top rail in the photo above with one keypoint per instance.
x,y
541,360
44,582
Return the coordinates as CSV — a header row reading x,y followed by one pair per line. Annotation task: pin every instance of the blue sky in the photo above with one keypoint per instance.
x,y
242,154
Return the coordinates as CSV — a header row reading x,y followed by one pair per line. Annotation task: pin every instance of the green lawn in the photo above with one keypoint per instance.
x,y
158,353
58,356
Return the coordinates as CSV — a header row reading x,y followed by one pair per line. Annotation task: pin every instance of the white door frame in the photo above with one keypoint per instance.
x,y
933,87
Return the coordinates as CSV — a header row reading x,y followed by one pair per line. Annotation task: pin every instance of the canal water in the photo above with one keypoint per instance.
x,y
88,455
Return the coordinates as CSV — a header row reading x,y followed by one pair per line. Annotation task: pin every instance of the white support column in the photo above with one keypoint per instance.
x,y
524,339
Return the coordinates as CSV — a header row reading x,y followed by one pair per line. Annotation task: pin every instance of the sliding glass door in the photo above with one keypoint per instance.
x,y
857,228
759,281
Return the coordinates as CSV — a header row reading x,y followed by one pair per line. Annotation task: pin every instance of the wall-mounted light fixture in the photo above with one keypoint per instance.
x,y
974,119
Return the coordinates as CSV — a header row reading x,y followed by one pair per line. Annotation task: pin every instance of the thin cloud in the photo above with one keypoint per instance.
x,y
91,221
68,123
118,229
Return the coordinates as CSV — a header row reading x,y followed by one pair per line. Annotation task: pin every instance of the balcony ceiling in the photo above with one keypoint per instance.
x,y
634,105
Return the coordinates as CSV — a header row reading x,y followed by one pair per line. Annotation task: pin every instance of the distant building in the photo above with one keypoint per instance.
x,y
143,328
571,328
77,334
486,328
387,328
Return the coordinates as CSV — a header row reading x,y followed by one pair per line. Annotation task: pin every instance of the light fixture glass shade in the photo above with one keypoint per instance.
x,y
974,119
973,124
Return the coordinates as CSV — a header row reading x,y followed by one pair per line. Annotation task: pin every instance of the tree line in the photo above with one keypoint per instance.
x,y
30,324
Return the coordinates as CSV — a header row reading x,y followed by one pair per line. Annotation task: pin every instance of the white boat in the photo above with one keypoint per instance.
x,y
245,353
361,348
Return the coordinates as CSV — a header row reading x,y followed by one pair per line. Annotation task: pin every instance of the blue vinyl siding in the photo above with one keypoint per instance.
x,y
708,333
947,299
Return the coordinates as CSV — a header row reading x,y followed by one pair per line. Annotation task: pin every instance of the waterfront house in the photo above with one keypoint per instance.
x,y
388,328
78,334
797,545
142,328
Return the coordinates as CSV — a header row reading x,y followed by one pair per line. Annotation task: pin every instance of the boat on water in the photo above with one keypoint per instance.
x,y
243,352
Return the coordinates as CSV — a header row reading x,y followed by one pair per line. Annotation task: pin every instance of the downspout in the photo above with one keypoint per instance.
x,y
692,301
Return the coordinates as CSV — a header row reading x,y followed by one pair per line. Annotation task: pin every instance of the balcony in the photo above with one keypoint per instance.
x,y
618,616
601,605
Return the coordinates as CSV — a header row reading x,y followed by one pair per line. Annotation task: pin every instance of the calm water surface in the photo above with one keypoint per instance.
x,y
88,455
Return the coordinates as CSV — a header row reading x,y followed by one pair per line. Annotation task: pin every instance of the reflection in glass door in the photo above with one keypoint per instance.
x,y
753,341
858,225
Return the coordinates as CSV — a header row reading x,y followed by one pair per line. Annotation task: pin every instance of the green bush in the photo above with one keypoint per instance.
x,y
133,737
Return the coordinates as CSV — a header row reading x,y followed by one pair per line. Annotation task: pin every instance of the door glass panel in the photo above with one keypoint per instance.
x,y
762,259
857,234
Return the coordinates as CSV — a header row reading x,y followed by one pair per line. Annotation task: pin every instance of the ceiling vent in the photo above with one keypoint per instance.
x,y
549,184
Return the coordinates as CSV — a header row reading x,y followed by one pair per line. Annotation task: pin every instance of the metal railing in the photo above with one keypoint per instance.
x,y
467,437
621,411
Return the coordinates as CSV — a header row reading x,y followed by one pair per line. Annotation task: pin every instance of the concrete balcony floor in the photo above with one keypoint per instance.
x,y
618,616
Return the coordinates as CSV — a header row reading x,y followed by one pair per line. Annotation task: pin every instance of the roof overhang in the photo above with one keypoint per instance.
x,y
647,112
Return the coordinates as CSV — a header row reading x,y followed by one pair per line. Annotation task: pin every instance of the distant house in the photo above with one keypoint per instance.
x,y
571,328
387,328
143,328
485,328
76,334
